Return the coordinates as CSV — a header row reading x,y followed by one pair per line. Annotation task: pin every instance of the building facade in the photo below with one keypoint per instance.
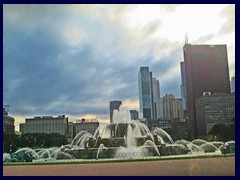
x,y
71,132
45,124
172,107
145,95
114,105
168,106
156,98
178,109
159,123
89,125
206,70
233,84
183,88
149,95
8,122
161,109
212,109
134,114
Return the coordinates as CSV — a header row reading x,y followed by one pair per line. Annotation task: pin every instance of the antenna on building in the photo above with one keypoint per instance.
x,y
186,38
7,108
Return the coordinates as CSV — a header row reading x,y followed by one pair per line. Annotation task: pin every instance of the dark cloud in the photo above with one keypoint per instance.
x,y
74,60
165,71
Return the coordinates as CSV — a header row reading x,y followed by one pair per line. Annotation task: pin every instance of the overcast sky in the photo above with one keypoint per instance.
x,y
75,59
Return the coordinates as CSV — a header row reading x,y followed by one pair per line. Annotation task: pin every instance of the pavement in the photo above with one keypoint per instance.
x,y
216,166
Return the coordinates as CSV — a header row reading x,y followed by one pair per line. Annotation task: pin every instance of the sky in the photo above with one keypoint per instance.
x,y
75,59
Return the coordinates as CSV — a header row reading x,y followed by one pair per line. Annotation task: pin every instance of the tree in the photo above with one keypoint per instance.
x,y
223,132
10,142
32,140
56,139
217,129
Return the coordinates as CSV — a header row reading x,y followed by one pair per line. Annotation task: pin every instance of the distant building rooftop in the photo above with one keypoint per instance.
x,y
84,120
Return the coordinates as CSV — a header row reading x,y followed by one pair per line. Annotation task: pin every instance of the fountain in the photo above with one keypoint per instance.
x,y
122,139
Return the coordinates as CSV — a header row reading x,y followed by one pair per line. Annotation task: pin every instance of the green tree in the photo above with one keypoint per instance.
x,y
223,132
55,139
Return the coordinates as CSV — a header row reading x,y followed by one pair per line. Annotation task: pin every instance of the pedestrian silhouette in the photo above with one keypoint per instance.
x,y
224,149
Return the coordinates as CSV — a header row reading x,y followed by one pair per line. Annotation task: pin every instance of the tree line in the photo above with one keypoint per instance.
x,y
219,132
12,142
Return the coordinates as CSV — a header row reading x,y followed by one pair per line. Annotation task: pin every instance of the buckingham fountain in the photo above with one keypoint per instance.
x,y
122,139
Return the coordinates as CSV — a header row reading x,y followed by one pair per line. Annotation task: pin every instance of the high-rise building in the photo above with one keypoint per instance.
x,y
145,95
8,122
168,106
183,87
114,105
178,109
206,70
212,109
161,108
45,124
134,114
233,84
149,95
172,107
156,98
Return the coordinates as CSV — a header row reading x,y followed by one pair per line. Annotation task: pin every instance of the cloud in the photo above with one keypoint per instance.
x,y
151,27
75,59
204,39
59,71
229,25
131,104
169,8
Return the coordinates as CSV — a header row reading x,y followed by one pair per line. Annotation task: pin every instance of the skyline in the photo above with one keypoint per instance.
x,y
75,59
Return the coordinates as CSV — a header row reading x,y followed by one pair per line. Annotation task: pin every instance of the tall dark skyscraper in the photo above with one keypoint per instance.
x,y
183,86
145,93
206,70
149,94
232,84
114,105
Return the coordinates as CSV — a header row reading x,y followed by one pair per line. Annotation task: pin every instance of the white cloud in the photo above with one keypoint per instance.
x,y
73,36
97,50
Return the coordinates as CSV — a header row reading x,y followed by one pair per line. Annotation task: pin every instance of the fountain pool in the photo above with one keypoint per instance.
x,y
124,139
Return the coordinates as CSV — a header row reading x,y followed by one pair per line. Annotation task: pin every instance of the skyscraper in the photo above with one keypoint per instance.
x,y
178,109
183,86
206,70
149,94
114,105
156,98
8,122
134,114
212,109
233,84
168,106
145,95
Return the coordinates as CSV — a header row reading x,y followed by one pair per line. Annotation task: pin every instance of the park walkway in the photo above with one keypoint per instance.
x,y
218,166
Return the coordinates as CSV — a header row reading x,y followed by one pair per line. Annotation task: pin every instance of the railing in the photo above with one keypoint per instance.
x,y
130,155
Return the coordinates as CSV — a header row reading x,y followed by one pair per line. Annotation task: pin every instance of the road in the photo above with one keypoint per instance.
x,y
183,167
